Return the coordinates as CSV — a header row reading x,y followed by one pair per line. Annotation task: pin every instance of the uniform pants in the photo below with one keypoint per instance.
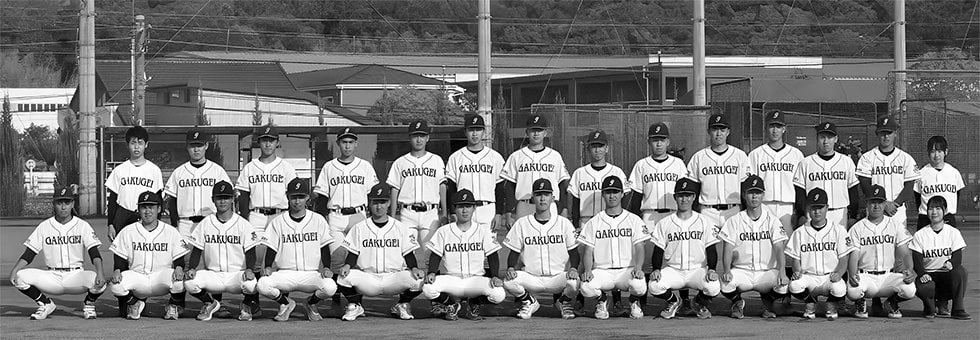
x,y
884,285
186,227
339,225
307,281
220,282
672,278
260,222
650,219
459,288
124,218
784,212
944,286
377,284
532,284
818,285
718,217
484,214
609,279
422,223
762,281
57,282
839,216
142,285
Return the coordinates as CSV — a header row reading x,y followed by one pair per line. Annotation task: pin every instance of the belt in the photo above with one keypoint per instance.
x,y
662,211
348,210
482,203
195,219
832,209
69,269
874,272
420,206
722,206
268,211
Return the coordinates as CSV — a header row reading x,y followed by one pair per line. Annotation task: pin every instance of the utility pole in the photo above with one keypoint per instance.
x,y
140,33
900,76
483,61
700,98
88,202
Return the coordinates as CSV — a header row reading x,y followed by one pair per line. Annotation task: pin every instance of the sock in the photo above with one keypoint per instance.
x,y
129,299
313,299
602,297
804,295
580,298
123,303
685,294
524,297
281,299
703,300
734,295
178,298
832,298
668,295
354,298
445,299
480,300
216,297
617,295
634,298
407,296
204,296
251,299
36,295
90,298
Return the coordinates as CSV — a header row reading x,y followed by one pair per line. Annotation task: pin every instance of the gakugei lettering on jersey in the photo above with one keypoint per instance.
x,y
720,170
381,243
610,233
819,246
475,168
297,238
541,167
938,188
463,247
67,239
197,182
877,239
147,246
755,236
827,176
544,240
223,239
590,186
766,167
685,235
419,172
266,178
660,177
887,170
348,179
146,182
941,252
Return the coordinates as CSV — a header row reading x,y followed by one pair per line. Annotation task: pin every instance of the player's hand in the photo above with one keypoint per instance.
x,y
344,270
248,275
191,273
711,275
267,271
655,275
781,278
178,274
925,278
854,280
510,274
508,220
948,266
638,274
111,233
496,222
587,276
909,276
564,213
890,208
116,277
418,274
834,277
430,278
326,273
796,276
496,282
99,280
726,276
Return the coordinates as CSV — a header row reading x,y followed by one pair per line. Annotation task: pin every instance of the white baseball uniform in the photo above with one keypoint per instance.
x,y
478,172
380,251
890,172
346,187
462,255
418,180
876,245
937,248
297,246
150,255
586,186
223,246
525,166
685,257
128,181
192,186
835,176
721,177
612,240
655,179
945,182
753,260
776,168
266,185
819,252
64,247
544,251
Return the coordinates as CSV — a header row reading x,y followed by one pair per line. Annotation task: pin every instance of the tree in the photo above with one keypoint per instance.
x,y
406,103
11,165
214,151
29,70
961,87
67,155
40,143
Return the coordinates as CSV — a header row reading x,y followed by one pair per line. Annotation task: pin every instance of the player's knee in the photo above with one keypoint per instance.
x,y
838,289
728,287
250,287
176,287
22,281
781,290
711,288
430,291
638,287
655,288
925,290
118,289
192,286
265,285
588,290
496,295
905,291
855,293
327,287
796,286
514,288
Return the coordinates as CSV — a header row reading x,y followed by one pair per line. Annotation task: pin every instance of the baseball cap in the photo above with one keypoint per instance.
x,y
380,192
658,130
775,117
827,127
63,194
753,182
138,132
148,197
718,120
222,189
464,197
686,185
418,127
887,124
542,185
473,121
612,183
268,131
347,133
597,137
196,137
877,193
537,122
816,197
297,187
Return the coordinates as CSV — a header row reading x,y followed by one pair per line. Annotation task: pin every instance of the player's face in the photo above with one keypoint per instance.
x,y
612,198
268,146
818,214
379,208
886,139
753,199
136,147
936,213
297,203
62,209
826,143
876,209
148,213
474,136
419,141
347,146
464,212
775,132
685,201
659,145
718,135
598,152
223,204
536,136
542,201
937,157
196,151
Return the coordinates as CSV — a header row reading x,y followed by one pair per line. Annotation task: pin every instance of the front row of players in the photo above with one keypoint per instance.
x,y
871,260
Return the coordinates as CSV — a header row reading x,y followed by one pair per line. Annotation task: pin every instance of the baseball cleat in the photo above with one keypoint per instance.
x,y
578,307
437,309
768,314
135,310
352,311
702,310
960,315
894,312
528,307
285,309
171,312
474,311
208,310
602,310
618,309
942,308
452,312
738,309
810,310
88,311
245,313
861,308
312,313
403,310
635,311
832,311
686,307
223,312
566,309
671,310
43,310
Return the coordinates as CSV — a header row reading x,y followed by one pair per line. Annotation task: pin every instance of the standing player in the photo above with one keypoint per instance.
x,y
613,255
190,184
149,261
227,243
63,239
457,252
883,258
938,179
752,259
529,163
719,169
129,179
938,259
477,168
546,245
583,189
685,254
891,168
298,245
380,259
820,252
775,163
832,172
418,186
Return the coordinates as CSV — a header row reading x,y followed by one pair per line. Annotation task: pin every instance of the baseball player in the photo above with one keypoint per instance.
x,y
938,178
883,258
477,168
613,254
129,179
341,190
585,198
298,245
149,261
227,243
189,185
458,250
832,172
546,244
891,168
685,254
719,169
529,163
63,239
418,186
820,251
938,259
752,256
775,163
380,259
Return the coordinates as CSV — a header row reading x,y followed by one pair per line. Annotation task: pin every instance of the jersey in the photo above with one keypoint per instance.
x,y
889,171
753,240
417,178
192,186
877,242
223,245
297,244
655,180
720,176
380,249
612,239
346,185
586,185
684,241
544,247
63,245
266,183
149,251
945,182
463,252
835,176
937,248
478,172
128,181
819,251
776,168
525,166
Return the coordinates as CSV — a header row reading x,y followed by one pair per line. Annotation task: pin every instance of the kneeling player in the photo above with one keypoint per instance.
x,y
380,248
546,244
613,254
686,252
298,244
149,261
820,250
937,251
227,242
457,251
63,239
753,259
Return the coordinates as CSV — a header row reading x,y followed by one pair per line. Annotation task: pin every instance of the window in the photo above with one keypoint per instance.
x,y
328,99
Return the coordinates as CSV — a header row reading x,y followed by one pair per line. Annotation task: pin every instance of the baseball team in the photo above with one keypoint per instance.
x,y
773,221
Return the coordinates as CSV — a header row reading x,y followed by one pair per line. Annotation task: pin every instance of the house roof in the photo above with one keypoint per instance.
x,y
359,74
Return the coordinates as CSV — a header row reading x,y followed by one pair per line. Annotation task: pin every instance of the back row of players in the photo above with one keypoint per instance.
x,y
294,248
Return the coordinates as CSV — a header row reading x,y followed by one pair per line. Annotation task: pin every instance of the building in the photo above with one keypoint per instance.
x,y
36,106
359,87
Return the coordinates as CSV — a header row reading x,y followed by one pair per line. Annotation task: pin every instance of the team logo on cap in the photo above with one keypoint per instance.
x,y
755,182
465,197
657,130
418,125
196,134
877,191
64,191
816,197
684,185
884,121
826,125
596,134
346,130
297,185
541,185
775,114
536,119
717,119
475,119
267,130
379,192
611,181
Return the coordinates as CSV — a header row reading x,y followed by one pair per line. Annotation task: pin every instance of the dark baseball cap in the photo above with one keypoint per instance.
x,y
268,131
718,120
537,122
148,197
347,133
222,189
686,185
877,193
542,185
597,137
138,132
418,127
464,197
297,187
816,197
887,124
612,183
658,130
474,121
753,182
775,117
380,192
196,137
828,127
63,194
